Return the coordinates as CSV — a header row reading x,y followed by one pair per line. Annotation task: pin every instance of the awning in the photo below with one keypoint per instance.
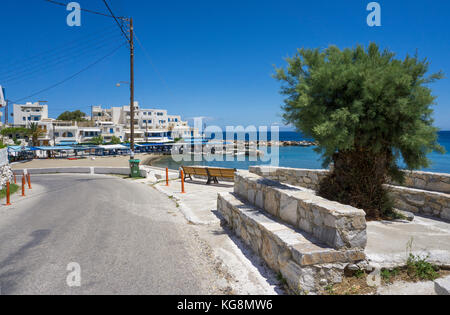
x,y
58,148
113,147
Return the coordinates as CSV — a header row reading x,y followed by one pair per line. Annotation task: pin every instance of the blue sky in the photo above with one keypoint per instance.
x,y
208,58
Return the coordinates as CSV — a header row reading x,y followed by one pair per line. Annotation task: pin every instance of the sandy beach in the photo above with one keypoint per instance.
x,y
119,161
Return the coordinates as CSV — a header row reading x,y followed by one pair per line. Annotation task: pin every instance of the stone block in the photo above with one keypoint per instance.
x,y
442,286
288,209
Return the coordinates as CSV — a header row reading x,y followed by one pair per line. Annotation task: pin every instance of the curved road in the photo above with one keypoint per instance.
x,y
126,237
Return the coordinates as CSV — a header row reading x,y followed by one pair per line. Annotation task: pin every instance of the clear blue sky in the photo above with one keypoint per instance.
x,y
210,58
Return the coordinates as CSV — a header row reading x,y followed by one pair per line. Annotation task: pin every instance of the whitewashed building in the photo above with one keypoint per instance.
x,y
29,113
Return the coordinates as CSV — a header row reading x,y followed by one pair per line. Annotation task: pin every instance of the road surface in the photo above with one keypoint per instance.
x,y
126,237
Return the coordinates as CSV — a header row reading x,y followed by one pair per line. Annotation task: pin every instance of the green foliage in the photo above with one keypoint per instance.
x,y
13,188
14,131
359,274
366,109
387,275
115,140
72,116
420,268
34,131
98,140
353,98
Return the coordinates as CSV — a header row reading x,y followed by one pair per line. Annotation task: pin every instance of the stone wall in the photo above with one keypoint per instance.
x,y
337,225
292,176
428,181
311,178
422,193
423,202
306,266
6,175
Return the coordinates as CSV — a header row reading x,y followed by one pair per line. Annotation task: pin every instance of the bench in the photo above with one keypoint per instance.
x,y
212,173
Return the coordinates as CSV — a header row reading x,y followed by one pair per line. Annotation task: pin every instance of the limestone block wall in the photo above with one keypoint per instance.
x,y
311,178
5,175
422,193
428,181
337,225
424,202
293,176
306,266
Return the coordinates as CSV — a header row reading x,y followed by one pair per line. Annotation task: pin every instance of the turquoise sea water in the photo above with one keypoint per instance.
x,y
300,157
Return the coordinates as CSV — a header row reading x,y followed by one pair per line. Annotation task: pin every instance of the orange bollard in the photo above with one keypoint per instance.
x,y
29,180
167,176
182,183
23,185
15,180
8,194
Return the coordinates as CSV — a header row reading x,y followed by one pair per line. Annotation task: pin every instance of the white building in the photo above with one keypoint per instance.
x,y
150,125
29,113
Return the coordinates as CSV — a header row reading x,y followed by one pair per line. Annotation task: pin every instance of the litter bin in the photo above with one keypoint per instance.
x,y
134,168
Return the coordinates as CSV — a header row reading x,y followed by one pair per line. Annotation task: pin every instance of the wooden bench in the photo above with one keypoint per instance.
x,y
215,173
212,173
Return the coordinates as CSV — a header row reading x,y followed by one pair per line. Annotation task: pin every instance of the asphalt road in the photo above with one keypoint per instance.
x,y
126,237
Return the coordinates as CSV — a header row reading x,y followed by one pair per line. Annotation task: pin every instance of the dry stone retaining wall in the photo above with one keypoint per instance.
x,y
424,202
307,266
422,193
337,225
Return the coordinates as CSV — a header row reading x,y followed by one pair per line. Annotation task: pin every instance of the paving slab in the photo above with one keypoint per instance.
x,y
388,241
199,203
442,286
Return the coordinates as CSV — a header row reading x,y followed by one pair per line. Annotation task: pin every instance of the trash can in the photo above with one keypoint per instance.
x,y
134,168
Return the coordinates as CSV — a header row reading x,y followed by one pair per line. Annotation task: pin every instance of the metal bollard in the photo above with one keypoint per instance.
x,y
23,185
29,180
182,183
8,194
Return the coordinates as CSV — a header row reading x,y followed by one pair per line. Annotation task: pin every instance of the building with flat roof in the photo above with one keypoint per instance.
x,y
29,113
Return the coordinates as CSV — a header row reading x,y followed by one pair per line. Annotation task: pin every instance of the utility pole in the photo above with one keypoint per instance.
x,y
132,85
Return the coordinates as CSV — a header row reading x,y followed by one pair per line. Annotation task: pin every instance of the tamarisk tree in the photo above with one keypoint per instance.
x,y
368,111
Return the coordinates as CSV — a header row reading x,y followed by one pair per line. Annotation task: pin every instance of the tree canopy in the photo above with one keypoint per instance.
x,y
362,100
72,116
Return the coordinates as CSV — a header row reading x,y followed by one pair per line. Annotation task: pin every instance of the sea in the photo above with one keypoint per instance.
x,y
299,157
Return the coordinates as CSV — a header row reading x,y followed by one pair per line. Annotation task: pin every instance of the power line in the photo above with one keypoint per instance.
x,y
72,46
59,60
72,76
120,25
152,64
90,11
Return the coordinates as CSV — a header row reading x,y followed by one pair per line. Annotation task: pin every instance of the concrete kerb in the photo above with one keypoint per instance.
x,y
79,170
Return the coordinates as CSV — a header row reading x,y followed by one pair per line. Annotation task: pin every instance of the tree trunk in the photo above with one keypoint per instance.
x,y
357,180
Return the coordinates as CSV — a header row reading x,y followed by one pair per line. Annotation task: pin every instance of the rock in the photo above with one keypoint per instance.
x,y
442,286
352,267
409,216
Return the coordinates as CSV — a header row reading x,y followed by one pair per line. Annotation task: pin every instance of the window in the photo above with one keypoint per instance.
x,y
111,130
24,119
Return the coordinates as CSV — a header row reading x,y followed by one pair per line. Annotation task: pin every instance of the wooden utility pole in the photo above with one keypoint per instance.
x,y
132,85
